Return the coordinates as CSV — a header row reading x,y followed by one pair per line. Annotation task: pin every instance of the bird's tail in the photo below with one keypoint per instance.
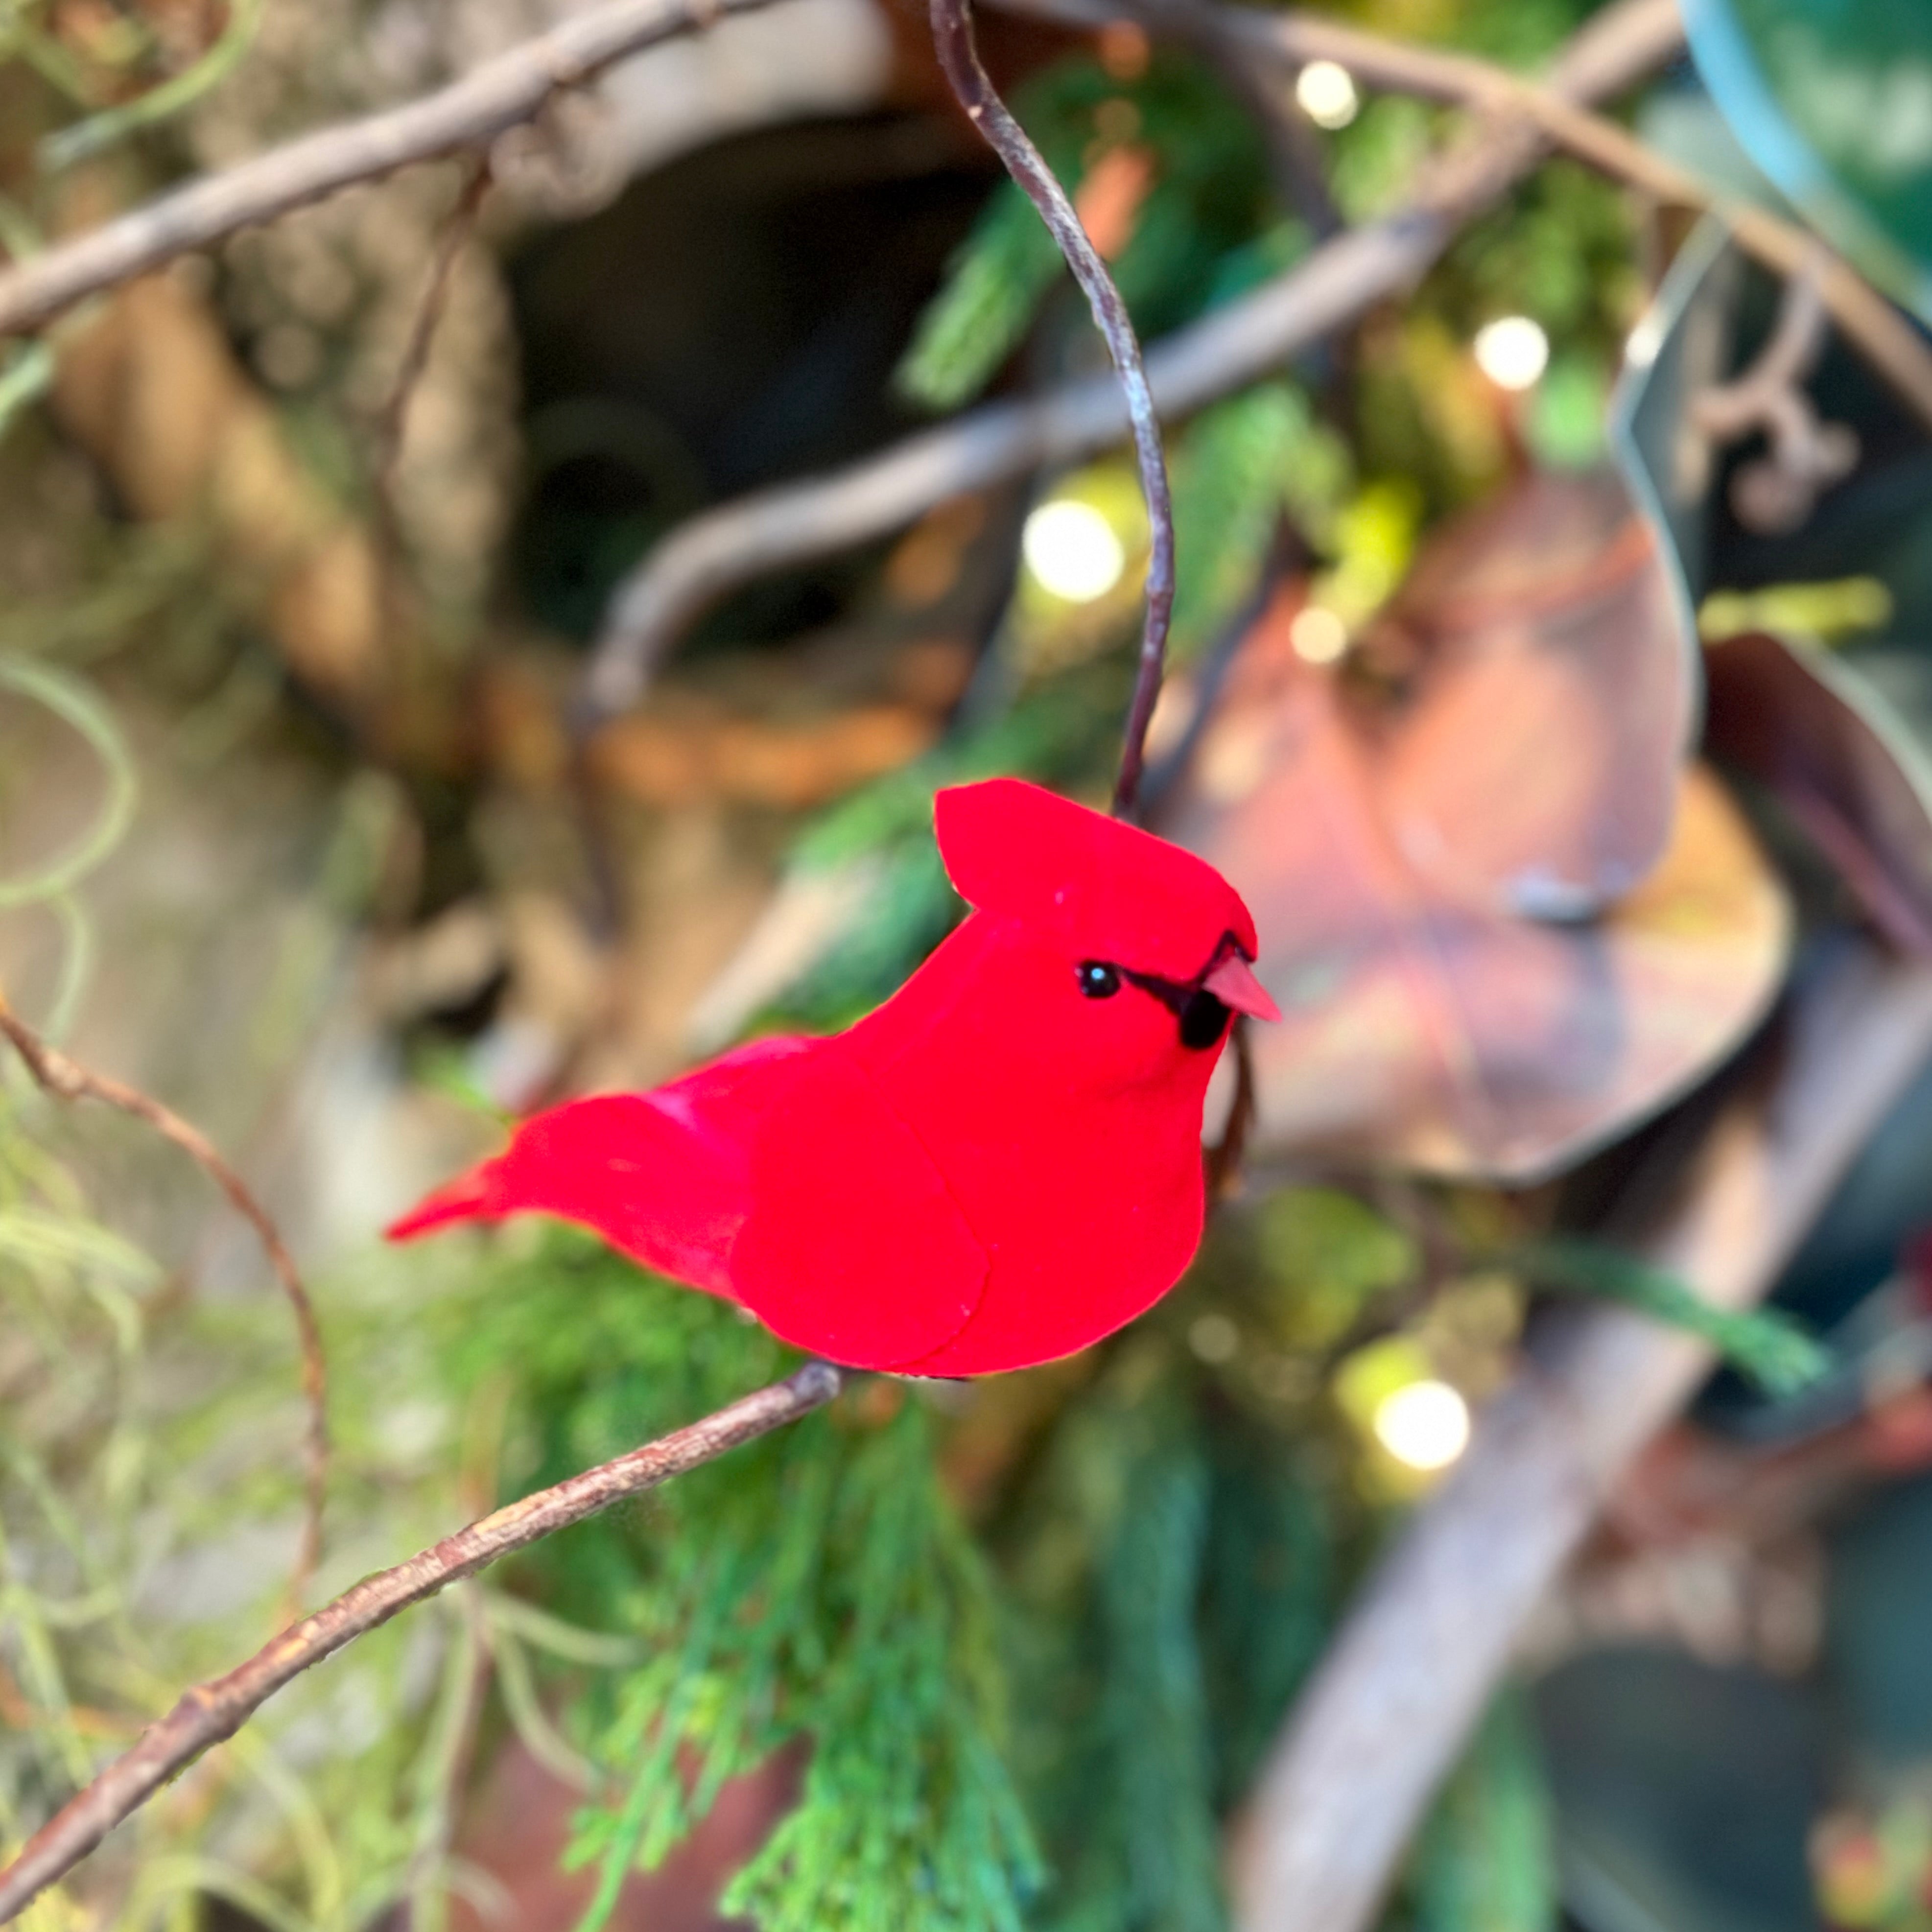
x,y
622,1164
474,1196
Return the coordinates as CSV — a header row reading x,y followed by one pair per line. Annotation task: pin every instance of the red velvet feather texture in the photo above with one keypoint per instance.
x,y
999,1165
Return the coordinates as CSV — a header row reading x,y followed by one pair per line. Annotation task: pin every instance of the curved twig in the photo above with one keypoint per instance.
x,y
712,554
959,60
1223,1160
1775,492
56,1073
500,95
393,420
210,1712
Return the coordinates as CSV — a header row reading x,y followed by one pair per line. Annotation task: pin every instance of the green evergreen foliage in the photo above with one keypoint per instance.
x,y
1524,34
1174,1558
910,1817
1486,1861
1271,1574
994,288
1558,250
1108,1568
1760,1343
1375,157
1277,247
1154,1703
1101,1665
1239,468
1209,196
816,1585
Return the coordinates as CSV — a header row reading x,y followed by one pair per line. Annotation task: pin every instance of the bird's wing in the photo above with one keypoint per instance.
x,y
665,1176
854,1248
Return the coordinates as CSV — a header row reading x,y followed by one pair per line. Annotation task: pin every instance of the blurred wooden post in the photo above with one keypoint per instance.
x,y
1408,1674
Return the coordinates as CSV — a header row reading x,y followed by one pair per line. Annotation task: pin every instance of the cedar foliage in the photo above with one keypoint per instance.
x,y
819,1586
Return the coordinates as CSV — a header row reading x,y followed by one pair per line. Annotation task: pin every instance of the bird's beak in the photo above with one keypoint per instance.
x,y
1234,984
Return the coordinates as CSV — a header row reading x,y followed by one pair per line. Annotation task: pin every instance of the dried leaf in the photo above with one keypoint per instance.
x,y
1425,1023
1837,756
1546,686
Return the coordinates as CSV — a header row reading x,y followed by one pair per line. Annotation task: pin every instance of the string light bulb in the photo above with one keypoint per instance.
x,y
1318,635
1325,91
1423,1425
1071,550
1512,352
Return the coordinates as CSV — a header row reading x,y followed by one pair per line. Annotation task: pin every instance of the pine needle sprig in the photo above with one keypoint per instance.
x,y
1239,468
1207,198
1486,1860
1765,1346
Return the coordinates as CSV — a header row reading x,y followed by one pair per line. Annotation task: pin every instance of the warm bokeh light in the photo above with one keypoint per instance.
x,y
1424,1425
1512,351
1318,636
1071,549
1327,94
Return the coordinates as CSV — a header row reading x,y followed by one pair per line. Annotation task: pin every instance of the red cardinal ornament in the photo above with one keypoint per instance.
x,y
999,1165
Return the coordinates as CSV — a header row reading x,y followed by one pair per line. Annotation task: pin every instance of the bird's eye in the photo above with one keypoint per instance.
x,y
1098,980
1203,1020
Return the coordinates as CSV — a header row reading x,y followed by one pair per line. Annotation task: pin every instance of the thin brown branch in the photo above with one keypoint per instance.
x,y
1731,412
469,113
393,422
210,1712
67,1079
713,553
1420,1654
1224,1158
959,61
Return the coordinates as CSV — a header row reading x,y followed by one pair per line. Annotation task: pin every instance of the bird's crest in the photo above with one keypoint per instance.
x,y
1104,888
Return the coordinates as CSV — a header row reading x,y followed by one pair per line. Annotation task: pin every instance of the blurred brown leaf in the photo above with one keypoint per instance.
x,y
519,1825
1540,681
1395,823
682,750
1841,762
790,729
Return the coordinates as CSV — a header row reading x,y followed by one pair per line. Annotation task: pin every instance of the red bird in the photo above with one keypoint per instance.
x,y
999,1165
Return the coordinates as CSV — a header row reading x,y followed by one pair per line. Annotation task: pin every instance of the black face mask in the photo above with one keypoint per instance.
x,y
1203,1016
